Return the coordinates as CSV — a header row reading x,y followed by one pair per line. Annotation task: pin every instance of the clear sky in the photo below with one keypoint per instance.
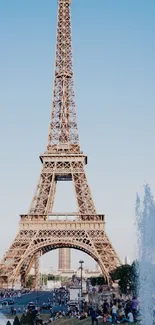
x,y
114,53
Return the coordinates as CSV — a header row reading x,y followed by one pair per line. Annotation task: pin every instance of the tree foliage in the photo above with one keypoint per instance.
x,y
44,278
93,282
23,319
16,321
30,281
127,276
54,277
28,318
97,281
101,280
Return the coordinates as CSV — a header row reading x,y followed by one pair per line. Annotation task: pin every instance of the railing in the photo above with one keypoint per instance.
x,y
63,217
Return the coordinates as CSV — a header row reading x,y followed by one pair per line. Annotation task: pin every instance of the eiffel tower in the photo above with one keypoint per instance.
x,y
41,230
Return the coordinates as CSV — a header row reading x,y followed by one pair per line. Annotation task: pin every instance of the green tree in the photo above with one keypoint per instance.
x,y
28,318
51,277
16,321
101,280
44,279
93,281
8,323
29,282
23,319
57,278
127,277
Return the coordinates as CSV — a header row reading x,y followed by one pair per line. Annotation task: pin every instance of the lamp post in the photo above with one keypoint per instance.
x,y
81,262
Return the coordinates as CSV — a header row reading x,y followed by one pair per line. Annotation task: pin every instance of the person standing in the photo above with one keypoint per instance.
x,y
134,306
114,313
93,315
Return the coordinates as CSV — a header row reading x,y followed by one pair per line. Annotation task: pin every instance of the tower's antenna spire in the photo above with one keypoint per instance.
x,y
63,132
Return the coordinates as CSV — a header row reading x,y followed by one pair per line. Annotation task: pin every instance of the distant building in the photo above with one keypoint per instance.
x,y
64,259
53,284
87,273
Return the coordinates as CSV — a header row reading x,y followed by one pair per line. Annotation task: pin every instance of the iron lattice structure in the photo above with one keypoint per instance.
x,y
39,230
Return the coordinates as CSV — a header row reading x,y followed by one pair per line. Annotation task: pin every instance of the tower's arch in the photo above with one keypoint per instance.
x,y
44,247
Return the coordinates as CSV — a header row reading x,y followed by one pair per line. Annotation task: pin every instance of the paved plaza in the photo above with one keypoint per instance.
x,y
37,297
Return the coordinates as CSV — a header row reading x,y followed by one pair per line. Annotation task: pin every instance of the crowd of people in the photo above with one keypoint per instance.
x,y
116,311
112,310
55,316
10,293
60,297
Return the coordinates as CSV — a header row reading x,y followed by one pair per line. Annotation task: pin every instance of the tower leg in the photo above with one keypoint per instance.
x,y
36,271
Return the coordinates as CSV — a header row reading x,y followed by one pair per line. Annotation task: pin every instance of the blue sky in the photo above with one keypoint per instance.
x,y
114,51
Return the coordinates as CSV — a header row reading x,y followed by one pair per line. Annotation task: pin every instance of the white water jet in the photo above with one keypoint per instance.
x,y
145,213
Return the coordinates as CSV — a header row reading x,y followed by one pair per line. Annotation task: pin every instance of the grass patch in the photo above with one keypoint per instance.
x,y
75,321
66,320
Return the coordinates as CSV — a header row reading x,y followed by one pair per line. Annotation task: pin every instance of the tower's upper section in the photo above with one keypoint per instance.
x,y
63,131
